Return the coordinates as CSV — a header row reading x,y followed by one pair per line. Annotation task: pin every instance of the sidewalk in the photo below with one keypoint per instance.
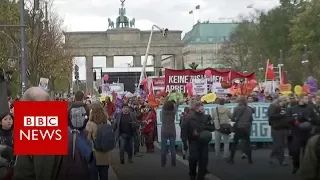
x,y
148,167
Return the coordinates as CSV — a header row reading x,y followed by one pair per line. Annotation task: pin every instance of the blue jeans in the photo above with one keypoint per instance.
x,y
98,172
126,144
164,150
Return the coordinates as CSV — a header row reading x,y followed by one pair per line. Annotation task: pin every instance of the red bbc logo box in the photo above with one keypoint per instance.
x,y
40,128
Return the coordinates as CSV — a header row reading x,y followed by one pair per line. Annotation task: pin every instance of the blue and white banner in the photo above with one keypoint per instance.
x,y
260,131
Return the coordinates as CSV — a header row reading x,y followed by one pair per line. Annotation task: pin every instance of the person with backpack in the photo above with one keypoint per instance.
x,y
100,132
125,128
78,113
222,118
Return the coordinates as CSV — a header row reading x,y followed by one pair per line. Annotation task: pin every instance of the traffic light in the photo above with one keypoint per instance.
x,y
76,72
94,76
100,89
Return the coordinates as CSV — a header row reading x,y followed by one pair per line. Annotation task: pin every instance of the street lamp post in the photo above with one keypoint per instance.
x,y
164,33
305,59
23,48
280,64
305,55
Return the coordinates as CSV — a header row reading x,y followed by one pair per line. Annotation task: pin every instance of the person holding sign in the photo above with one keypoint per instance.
x,y
168,128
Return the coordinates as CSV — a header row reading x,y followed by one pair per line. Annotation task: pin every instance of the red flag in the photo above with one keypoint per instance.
x,y
270,75
151,89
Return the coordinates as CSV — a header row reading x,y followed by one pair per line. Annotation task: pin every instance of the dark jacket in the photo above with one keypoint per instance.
x,y
76,105
168,127
277,117
242,116
309,166
51,167
301,114
195,122
183,116
116,126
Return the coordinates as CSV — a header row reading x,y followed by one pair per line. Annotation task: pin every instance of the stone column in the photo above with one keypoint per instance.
x,y
157,64
178,61
172,62
89,74
137,61
109,61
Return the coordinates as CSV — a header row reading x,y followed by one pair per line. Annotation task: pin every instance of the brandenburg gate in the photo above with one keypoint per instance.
x,y
125,40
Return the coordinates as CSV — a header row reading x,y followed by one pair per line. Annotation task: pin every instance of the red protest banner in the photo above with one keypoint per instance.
x,y
177,79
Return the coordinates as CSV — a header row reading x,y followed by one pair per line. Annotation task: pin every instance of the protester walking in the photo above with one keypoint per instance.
x,y
222,118
279,129
301,119
125,129
196,134
242,116
99,167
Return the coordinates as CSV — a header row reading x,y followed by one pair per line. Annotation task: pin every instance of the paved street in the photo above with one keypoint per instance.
x,y
260,169
148,166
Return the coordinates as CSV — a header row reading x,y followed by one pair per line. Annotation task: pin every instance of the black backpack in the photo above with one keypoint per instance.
x,y
105,139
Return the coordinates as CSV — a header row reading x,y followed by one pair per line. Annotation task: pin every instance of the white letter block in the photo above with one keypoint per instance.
x,y
52,121
41,121
28,121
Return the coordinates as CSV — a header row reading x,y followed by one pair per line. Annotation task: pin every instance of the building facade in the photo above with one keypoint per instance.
x,y
202,43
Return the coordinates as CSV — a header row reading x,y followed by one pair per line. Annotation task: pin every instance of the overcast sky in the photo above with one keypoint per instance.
x,y
92,15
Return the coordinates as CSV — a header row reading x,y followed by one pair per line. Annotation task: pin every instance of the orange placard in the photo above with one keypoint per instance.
x,y
285,87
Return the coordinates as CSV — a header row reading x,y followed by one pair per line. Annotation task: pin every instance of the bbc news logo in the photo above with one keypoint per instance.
x,y
41,128
44,134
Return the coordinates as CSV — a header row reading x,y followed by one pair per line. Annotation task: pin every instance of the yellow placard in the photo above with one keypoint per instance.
x,y
286,93
209,98
102,98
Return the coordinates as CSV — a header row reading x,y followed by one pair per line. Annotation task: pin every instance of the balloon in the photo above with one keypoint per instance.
x,y
144,81
106,77
207,73
158,93
253,83
189,85
313,87
225,85
297,89
305,88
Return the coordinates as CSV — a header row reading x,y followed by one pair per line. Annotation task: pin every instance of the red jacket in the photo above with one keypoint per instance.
x,y
148,128
110,108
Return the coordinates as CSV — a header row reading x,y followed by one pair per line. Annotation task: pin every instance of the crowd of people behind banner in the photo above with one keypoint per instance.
x,y
294,121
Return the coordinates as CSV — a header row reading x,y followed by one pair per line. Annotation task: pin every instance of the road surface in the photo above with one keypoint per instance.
x,y
148,167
